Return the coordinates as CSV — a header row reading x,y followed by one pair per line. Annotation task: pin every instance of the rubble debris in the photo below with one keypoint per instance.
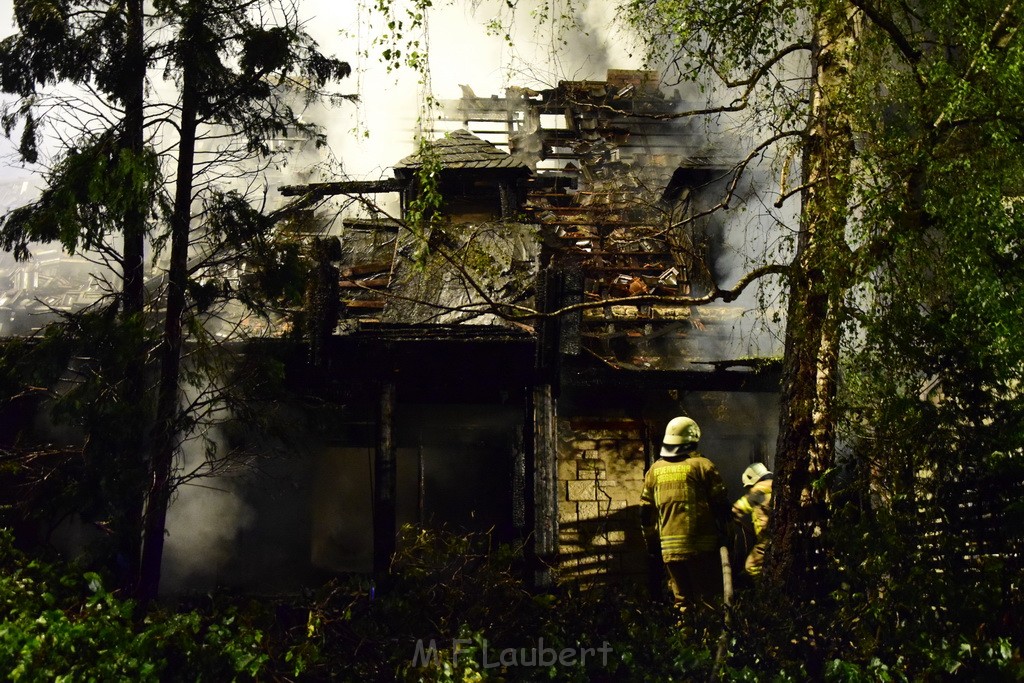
x,y
612,179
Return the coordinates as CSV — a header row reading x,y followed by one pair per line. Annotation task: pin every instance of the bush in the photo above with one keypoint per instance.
x,y
62,625
455,608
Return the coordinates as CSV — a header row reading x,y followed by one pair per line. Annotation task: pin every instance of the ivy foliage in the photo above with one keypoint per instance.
x,y
424,216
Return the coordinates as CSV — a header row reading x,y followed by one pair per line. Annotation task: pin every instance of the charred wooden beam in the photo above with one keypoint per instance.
x,y
344,187
365,303
385,491
361,269
767,379
545,484
371,283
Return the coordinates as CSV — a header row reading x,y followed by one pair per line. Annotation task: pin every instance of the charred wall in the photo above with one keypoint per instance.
x,y
307,511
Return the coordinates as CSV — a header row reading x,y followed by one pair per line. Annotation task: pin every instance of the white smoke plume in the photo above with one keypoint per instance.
x,y
207,513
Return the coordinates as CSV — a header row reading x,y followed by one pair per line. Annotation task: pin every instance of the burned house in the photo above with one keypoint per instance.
x,y
510,366
506,363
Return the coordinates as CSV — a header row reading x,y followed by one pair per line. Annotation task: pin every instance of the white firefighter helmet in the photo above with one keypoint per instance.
x,y
681,430
753,474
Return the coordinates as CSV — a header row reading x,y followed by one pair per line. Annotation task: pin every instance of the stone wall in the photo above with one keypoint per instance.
x,y
601,466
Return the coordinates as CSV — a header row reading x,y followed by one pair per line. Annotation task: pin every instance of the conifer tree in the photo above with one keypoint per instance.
x,y
239,80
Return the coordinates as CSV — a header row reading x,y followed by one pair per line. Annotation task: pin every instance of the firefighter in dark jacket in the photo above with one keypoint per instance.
x,y
684,510
754,507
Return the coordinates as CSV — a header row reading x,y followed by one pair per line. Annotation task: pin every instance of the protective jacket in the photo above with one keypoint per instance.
x,y
755,503
684,506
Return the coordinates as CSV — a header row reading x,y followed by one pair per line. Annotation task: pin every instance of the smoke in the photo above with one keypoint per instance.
x,y
737,429
203,523
483,45
206,516
751,232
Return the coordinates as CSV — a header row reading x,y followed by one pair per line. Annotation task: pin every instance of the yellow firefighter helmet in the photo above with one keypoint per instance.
x,y
681,430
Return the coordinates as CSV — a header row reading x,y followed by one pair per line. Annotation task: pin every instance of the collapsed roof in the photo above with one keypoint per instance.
x,y
597,180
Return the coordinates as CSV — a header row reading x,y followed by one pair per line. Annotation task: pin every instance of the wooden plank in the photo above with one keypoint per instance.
x,y
358,269
370,283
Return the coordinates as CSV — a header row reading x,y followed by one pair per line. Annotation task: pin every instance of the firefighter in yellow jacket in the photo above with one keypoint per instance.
x,y
684,509
755,505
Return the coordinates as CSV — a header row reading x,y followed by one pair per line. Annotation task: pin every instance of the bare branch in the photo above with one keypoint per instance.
x,y
738,171
717,294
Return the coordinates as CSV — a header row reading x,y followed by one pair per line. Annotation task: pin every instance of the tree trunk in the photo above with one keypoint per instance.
x,y
818,284
134,141
133,301
167,427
